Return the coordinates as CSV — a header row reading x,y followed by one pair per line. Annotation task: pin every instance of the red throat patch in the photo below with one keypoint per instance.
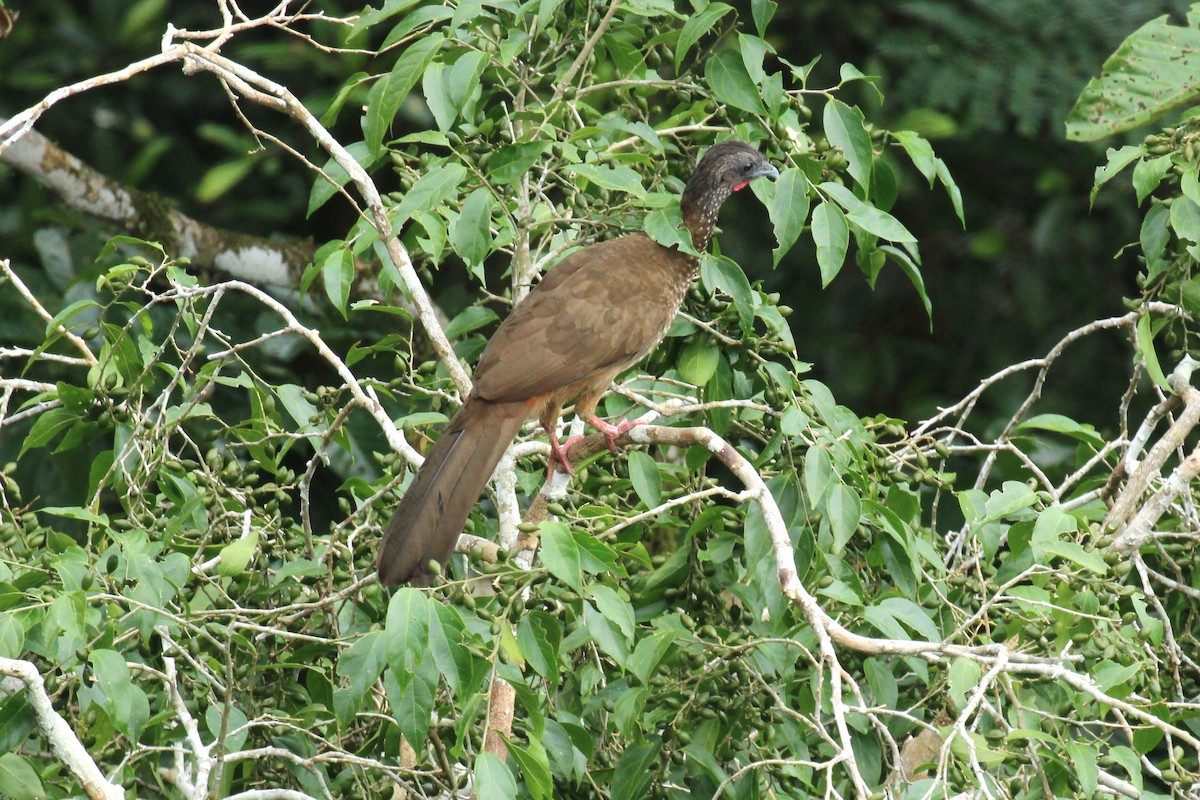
x,y
740,186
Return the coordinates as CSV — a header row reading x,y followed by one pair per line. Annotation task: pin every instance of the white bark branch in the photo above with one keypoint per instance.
x,y
58,734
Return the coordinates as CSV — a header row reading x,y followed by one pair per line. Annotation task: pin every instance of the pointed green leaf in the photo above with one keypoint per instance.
x,y
611,176
407,629
698,361
493,779
844,509
832,237
615,609
788,210
635,770
19,779
1145,347
1155,69
235,556
726,75
696,26
645,477
512,161
337,275
844,129
433,188
385,98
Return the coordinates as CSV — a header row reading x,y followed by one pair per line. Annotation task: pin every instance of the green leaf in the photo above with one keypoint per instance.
x,y
615,609
535,769
411,698
725,274
726,75
568,554
362,663
1109,673
1155,69
235,556
12,636
1148,174
818,474
844,509
327,184
1083,759
75,512
920,152
1011,497
844,129
698,361
832,237
629,710
980,750
1145,347
373,16
762,11
913,273
1057,423
636,769
788,210
605,633
615,176
470,319
433,188
912,616
1077,555
663,226
337,274
461,82
19,779
649,653
407,629
471,234
493,779
645,477
1118,159
880,223
387,95
47,427
963,678
220,179
1185,219
125,701
539,635
512,161
695,27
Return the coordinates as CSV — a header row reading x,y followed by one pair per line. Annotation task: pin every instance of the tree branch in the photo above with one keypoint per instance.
x,y
62,740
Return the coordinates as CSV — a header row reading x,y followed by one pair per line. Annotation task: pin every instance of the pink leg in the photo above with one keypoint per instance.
x,y
613,432
558,453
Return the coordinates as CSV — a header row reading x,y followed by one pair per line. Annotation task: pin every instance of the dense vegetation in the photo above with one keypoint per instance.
x,y
772,591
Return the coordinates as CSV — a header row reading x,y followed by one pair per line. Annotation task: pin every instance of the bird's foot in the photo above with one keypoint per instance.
x,y
558,454
613,432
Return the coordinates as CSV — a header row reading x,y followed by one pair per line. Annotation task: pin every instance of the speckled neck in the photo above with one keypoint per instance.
x,y
700,205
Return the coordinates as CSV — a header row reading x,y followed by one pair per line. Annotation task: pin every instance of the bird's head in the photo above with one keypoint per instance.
x,y
725,168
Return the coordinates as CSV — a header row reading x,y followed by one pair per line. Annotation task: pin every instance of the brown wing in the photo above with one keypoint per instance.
x,y
602,307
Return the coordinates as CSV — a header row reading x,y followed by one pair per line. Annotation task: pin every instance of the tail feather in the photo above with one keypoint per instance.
x,y
426,524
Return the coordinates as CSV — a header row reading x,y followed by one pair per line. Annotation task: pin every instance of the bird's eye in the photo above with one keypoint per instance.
x,y
747,167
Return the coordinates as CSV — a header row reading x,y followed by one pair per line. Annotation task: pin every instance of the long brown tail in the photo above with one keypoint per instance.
x,y
433,511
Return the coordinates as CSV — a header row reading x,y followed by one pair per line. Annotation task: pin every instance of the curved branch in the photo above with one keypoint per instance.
x,y
62,740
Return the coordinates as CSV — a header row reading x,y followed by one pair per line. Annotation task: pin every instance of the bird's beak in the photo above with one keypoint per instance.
x,y
766,170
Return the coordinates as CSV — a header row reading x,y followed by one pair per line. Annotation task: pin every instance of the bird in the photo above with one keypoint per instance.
x,y
595,314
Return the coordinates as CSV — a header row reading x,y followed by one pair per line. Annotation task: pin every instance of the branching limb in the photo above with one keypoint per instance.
x,y
58,734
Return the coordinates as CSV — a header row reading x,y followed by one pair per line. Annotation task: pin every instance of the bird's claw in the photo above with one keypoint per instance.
x,y
559,457
613,432
559,450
